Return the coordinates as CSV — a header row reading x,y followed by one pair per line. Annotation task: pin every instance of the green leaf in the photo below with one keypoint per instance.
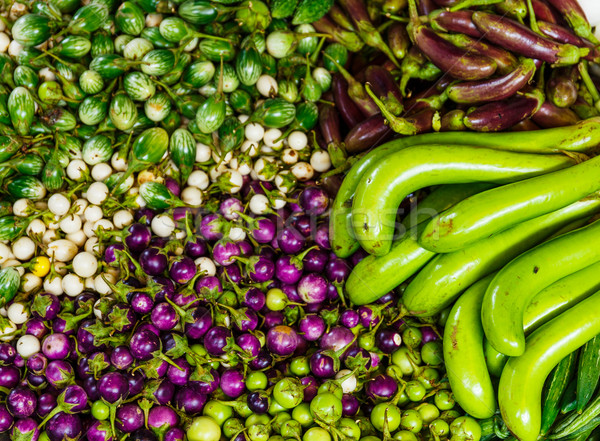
x,y
311,10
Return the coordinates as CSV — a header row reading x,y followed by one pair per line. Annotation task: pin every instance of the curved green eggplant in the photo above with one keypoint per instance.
x,y
21,108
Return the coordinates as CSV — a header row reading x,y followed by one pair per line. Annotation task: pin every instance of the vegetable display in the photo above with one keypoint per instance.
x,y
299,220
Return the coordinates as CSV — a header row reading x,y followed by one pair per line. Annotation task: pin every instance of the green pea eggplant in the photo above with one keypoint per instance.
x,y
21,108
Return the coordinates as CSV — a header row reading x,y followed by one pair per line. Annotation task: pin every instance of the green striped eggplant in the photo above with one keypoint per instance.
x,y
88,18
217,50
93,109
66,6
307,45
110,66
72,91
158,62
139,86
157,107
47,9
171,122
248,66
274,113
230,78
211,113
91,82
59,118
198,73
121,41
84,132
28,187
311,90
50,92
149,148
188,104
241,101
231,134
269,64
307,115
137,48
118,186
253,15
130,18
53,175
70,145
73,46
183,60
102,44
32,57
288,90
21,108
28,164
182,147
25,76
198,12
7,66
175,29
158,197
157,40
4,115
32,29
96,150
122,111
10,280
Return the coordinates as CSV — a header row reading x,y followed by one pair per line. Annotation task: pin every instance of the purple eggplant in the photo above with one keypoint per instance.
x,y
143,344
381,387
562,86
282,340
9,376
461,22
388,340
311,327
59,373
337,338
179,372
385,88
21,402
63,426
164,316
501,115
215,340
575,16
494,89
190,401
312,288
113,387
357,11
456,62
322,365
398,40
505,61
99,431
348,110
549,116
368,134
350,405
138,238
543,12
515,37
232,383
561,34
329,123
6,419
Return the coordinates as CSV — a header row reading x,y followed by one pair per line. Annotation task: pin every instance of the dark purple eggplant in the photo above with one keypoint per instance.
x,y
425,120
515,37
562,87
563,35
385,88
398,40
349,112
572,12
493,89
505,61
502,115
543,12
453,121
525,126
426,7
347,38
442,20
550,116
446,3
357,11
329,123
357,92
370,133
